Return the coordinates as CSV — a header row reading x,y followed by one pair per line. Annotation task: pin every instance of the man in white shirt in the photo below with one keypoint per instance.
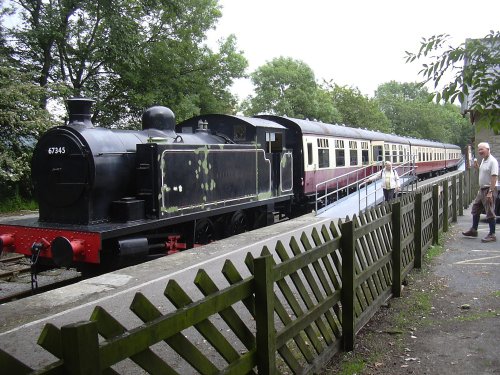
x,y
486,196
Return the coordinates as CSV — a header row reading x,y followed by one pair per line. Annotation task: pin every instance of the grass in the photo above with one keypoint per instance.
x,y
417,304
357,362
476,316
355,366
17,203
435,250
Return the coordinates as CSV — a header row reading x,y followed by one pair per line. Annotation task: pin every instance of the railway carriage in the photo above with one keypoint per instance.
x,y
325,152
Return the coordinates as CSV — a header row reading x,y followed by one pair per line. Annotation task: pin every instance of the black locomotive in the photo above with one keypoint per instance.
x,y
106,194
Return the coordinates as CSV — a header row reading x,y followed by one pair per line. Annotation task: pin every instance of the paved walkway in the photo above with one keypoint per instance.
x,y
465,338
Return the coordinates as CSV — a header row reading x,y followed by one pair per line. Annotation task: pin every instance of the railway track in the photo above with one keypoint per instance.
x,y
17,281
12,266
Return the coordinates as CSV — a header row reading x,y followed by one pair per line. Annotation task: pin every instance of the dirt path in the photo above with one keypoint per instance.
x,y
448,320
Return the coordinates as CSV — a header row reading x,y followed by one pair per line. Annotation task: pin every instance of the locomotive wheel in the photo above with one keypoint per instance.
x,y
204,232
261,218
237,224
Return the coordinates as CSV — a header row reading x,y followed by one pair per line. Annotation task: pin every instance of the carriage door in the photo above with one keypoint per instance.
x,y
378,151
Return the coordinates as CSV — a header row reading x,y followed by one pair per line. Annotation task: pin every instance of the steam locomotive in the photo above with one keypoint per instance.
x,y
107,195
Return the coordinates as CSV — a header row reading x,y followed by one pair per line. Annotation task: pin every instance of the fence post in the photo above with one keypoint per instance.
x,y
348,293
466,187
461,194
435,214
264,315
396,249
474,184
418,231
80,345
446,198
454,199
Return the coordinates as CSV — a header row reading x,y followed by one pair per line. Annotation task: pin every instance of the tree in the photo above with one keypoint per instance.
x,y
188,80
410,112
475,69
21,123
288,87
129,54
357,110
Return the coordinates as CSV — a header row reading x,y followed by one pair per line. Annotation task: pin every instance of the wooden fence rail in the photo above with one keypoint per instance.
x,y
305,300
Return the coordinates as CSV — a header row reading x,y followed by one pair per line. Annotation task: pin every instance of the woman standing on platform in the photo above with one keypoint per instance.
x,y
390,181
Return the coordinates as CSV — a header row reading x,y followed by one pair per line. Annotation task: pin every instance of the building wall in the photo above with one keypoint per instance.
x,y
486,135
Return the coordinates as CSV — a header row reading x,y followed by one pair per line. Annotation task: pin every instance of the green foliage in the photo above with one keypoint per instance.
x,y
189,81
288,87
475,73
15,203
356,109
21,122
411,113
129,55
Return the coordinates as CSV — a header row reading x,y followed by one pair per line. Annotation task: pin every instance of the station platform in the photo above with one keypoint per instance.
x,y
366,197
371,195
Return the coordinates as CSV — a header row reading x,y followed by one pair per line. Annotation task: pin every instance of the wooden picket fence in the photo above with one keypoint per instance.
x,y
302,303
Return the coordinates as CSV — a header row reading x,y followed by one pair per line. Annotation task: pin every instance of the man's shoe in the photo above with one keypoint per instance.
x,y
489,238
470,233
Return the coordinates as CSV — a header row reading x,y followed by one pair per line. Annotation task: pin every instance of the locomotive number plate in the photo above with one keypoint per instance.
x,y
56,150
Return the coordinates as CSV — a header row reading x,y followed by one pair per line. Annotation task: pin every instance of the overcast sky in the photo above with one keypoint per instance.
x,y
358,43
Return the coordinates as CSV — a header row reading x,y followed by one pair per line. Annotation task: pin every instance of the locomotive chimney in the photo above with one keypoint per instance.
x,y
79,110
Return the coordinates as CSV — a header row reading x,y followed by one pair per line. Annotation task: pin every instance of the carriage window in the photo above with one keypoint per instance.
x,y
387,153
364,153
309,153
323,153
394,154
339,153
340,158
353,146
400,153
